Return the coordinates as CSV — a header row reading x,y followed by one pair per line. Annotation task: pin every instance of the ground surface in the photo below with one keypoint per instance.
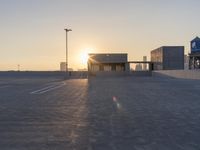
x,y
130,113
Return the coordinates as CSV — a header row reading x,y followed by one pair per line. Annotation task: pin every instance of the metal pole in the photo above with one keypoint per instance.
x,y
66,63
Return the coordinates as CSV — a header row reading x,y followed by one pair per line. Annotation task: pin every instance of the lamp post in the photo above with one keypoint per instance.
x,y
18,67
66,70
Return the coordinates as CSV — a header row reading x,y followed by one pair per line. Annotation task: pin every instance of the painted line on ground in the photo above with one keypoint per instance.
x,y
42,89
47,89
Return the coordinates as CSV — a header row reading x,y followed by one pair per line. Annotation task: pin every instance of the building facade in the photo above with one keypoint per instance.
x,y
144,67
186,62
168,58
62,66
111,62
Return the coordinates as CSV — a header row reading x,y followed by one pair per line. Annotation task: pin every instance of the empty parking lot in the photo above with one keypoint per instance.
x,y
123,113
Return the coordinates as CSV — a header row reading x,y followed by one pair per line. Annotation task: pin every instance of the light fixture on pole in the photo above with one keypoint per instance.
x,y
67,30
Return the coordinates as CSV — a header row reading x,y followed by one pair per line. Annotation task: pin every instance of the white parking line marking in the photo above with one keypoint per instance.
x,y
42,89
47,89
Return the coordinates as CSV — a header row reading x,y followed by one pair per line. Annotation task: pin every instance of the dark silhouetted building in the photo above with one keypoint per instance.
x,y
111,62
168,58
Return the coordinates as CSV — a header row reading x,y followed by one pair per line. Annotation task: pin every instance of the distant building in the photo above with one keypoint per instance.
x,y
63,67
114,62
194,56
138,67
168,58
84,69
70,69
144,65
186,62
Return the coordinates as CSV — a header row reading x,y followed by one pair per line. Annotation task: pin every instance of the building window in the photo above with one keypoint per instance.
x,y
95,67
101,68
113,67
107,68
119,68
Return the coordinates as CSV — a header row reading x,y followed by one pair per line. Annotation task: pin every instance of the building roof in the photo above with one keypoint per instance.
x,y
108,57
164,47
107,54
196,39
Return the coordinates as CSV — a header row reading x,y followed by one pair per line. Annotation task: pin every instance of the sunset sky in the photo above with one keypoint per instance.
x,y
32,31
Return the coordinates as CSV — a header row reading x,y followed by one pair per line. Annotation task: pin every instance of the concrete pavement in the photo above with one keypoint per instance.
x,y
123,113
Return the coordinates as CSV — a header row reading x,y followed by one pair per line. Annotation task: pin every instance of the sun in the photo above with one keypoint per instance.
x,y
84,58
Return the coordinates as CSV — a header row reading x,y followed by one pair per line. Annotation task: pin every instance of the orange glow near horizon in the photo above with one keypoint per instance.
x,y
84,55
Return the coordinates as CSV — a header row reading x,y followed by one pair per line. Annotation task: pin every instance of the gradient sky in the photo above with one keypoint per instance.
x,y
32,31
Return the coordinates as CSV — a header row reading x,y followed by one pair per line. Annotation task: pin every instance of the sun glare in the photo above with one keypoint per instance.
x,y
84,58
84,55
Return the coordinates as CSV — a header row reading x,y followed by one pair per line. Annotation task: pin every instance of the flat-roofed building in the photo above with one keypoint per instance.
x,y
109,62
144,67
168,58
63,67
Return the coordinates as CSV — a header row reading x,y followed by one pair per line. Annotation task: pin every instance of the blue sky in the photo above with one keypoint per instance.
x,y
32,31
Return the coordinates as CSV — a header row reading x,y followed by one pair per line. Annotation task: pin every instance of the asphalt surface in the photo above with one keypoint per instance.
x,y
124,113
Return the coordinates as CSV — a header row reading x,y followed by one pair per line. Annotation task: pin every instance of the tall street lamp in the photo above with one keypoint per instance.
x,y
67,30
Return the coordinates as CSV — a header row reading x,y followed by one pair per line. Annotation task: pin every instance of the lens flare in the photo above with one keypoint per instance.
x,y
115,100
